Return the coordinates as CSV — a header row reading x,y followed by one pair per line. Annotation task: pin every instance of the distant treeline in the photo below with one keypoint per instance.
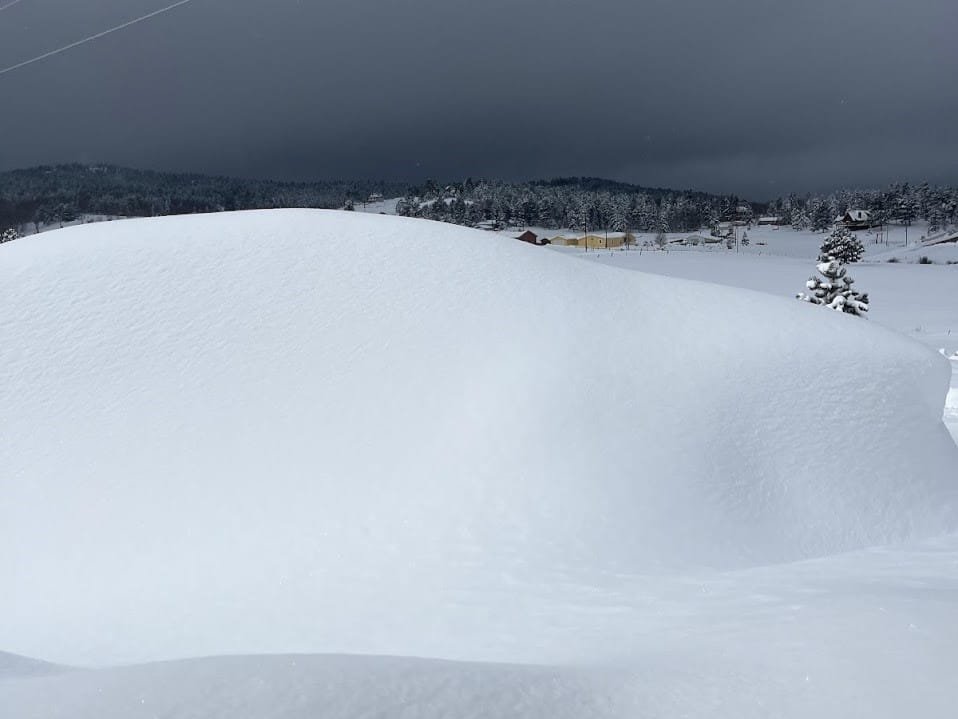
x,y
61,194
901,203
42,196
579,203
584,204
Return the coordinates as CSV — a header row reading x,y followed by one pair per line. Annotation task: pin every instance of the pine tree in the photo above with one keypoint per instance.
x,y
842,245
745,240
936,217
835,291
620,213
9,235
821,214
579,215
800,219
906,209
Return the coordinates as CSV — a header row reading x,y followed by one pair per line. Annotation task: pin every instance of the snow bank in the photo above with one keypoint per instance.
x,y
15,666
226,433
332,687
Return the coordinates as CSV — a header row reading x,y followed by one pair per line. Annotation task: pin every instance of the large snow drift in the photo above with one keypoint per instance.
x,y
15,666
262,431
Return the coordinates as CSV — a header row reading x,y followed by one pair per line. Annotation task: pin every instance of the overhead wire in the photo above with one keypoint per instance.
x,y
91,38
10,4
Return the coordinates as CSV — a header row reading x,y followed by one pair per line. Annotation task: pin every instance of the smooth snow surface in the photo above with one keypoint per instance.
x,y
307,431
13,665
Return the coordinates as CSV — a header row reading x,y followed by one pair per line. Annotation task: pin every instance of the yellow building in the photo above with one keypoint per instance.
x,y
613,241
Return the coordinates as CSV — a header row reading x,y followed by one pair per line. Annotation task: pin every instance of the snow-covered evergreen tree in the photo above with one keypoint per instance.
x,y
936,217
579,215
835,290
820,214
842,245
745,240
620,213
9,235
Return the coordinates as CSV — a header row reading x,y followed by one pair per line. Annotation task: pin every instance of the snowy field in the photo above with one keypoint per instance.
x,y
919,300
85,219
374,466
893,243
383,207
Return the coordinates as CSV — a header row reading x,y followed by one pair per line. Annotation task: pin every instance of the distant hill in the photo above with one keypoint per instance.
x,y
40,197
62,193
598,184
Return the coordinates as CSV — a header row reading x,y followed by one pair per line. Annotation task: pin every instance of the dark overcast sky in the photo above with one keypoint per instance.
x,y
751,96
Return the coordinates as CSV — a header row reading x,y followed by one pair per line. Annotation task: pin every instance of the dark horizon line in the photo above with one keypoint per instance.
x,y
634,187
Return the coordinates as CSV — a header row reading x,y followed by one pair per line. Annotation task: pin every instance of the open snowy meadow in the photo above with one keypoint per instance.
x,y
300,463
915,297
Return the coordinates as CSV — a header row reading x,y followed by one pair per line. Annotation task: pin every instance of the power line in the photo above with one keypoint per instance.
x,y
85,40
10,4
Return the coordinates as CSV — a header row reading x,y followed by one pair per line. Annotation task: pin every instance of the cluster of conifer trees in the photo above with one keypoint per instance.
x,y
61,194
588,203
44,196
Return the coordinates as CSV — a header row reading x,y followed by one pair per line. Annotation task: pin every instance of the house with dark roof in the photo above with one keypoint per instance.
x,y
858,220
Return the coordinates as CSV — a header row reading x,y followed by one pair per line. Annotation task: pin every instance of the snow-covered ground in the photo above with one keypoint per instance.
x,y
512,482
85,219
919,300
384,207
893,243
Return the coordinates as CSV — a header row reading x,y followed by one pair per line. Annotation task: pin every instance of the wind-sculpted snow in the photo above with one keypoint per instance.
x,y
331,687
332,432
13,665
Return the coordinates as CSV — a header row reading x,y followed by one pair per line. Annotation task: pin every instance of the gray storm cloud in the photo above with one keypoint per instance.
x,y
755,97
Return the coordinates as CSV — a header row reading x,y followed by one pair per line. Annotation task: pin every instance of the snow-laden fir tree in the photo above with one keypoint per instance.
x,y
819,214
9,235
835,290
842,245
800,219
620,213
745,240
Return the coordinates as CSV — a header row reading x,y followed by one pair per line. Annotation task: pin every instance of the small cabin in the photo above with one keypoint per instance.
x,y
529,236
769,220
723,229
858,220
